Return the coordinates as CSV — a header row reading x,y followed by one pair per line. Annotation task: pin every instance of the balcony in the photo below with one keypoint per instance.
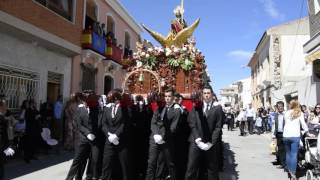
x,y
114,53
93,41
99,43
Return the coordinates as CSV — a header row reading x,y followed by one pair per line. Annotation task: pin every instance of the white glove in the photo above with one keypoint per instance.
x,y
198,140
158,139
9,152
209,146
91,137
203,146
113,138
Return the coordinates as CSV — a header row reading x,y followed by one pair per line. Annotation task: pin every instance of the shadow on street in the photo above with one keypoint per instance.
x,y
229,171
19,168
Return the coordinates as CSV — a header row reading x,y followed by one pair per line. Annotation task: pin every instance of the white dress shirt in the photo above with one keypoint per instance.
x,y
251,113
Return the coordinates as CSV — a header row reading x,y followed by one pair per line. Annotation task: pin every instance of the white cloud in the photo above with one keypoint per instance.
x,y
271,10
240,54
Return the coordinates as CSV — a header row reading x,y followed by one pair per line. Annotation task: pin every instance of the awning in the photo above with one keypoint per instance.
x,y
313,56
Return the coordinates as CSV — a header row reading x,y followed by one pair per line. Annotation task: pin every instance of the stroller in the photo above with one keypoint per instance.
x,y
312,155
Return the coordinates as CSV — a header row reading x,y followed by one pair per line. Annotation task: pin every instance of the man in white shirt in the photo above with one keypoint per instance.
x,y
277,133
251,116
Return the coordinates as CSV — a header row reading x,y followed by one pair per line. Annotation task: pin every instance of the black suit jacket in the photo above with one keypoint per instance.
x,y
116,125
83,122
167,126
208,128
4,141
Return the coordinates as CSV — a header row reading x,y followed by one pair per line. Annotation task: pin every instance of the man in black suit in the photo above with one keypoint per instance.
x,y
163,126
86,139
205,122
115,128
141,120
5,149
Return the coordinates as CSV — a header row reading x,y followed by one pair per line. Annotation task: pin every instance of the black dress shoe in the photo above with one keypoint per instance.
x,y
27,160
34,158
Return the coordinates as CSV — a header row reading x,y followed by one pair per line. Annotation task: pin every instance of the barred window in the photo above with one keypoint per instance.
x,y
316,6
62,7
18,85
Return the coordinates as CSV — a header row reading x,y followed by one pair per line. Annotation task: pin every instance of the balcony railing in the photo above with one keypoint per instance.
x,y
114,53
98,43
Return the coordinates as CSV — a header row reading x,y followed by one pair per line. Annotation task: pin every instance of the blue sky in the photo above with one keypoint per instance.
x,y
228,32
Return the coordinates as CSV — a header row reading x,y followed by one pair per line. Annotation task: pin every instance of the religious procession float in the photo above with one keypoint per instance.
x,y
176,64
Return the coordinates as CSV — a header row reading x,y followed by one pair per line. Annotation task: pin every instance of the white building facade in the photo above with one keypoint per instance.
x,y
278,69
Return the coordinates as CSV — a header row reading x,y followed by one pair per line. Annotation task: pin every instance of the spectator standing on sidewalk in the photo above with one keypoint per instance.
x,y
305,112
265,118
294,121
316,112
242,121
251,116
277,133
58,109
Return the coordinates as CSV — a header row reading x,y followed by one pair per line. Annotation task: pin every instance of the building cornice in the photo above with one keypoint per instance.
x,y
312,43
122,12
46,38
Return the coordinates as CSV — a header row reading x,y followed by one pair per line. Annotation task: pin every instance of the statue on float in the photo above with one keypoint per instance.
x,y
180,32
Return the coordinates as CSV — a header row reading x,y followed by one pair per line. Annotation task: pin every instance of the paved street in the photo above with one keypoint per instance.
x,y
246,158
249,158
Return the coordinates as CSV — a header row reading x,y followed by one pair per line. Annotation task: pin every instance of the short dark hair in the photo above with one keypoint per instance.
x,y
280,102
169,90
113,96
177,95
139,98
208,87
80,97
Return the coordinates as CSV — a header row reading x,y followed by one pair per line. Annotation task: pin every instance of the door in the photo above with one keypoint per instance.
x,y
108,84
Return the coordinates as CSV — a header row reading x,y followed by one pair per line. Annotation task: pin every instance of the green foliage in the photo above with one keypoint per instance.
x,y
150,62
174,62
187,65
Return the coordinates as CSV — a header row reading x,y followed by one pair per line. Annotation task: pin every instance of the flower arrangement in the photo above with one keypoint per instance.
x,y
184,57
181,68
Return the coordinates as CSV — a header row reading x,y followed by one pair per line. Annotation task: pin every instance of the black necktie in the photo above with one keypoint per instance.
x,y
164,112
207,109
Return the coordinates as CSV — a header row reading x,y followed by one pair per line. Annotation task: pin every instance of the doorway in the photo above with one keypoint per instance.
x,y
108,84
53,86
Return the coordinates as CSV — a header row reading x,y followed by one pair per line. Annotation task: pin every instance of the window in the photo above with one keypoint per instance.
x,y
316,6
91,14
18,85
127,40
110,24
62,7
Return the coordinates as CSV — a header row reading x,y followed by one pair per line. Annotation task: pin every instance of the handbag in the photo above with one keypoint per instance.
x,y
273,147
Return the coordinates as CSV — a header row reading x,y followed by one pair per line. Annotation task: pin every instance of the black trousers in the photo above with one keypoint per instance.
x,y
1,167
230,124
210,160
94,168
162,169
242,127
250,124
154,150
109,153
281,153
80,160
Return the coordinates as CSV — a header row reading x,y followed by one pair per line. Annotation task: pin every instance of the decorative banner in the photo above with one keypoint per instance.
x,y
98,43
